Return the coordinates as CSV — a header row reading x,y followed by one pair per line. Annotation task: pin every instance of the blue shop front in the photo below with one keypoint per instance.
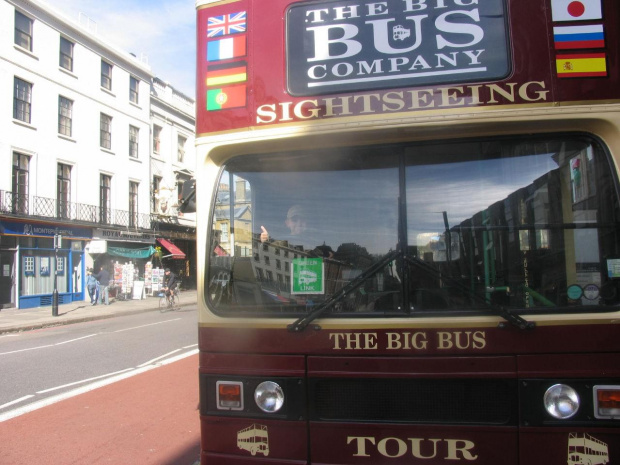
x,y
28,263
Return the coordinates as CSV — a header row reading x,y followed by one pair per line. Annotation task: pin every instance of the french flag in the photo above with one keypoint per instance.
x,y
224,49
572,37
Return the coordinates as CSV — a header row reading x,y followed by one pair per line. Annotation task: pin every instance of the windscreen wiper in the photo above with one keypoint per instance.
x,y
301,323
499,310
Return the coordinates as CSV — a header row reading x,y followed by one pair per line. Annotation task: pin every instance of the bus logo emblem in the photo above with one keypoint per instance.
x,y
254,439
400,33
585,449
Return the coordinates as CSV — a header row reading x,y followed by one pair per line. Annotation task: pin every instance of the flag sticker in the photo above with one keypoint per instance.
x,y
224,49
582,65
226,97
229,75
568,37
224,25
576,10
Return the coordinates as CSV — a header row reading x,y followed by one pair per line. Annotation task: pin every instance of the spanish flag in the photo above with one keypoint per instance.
x,y
581,65
226,97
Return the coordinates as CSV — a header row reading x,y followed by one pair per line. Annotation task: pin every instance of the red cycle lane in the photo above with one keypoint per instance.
x,y
150,418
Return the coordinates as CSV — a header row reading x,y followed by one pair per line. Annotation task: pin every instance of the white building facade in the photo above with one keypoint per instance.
x,y
75,154
173,164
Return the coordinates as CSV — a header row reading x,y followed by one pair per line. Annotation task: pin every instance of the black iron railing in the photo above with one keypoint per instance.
x,y
46,208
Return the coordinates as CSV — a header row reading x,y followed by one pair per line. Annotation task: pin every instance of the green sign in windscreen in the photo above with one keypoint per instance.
x,y
308,276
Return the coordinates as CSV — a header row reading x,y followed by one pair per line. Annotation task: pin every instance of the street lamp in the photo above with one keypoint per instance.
x,y
57,245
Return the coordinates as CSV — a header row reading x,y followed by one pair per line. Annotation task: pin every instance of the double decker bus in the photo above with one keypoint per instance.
x,y
409,235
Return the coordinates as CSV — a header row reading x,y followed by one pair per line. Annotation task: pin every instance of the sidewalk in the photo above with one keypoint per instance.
x,y
15,320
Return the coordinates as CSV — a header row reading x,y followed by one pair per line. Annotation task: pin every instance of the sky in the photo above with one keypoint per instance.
x,y
163,30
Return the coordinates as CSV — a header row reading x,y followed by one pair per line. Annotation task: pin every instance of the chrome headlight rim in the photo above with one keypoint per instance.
x,y
269,397
561,401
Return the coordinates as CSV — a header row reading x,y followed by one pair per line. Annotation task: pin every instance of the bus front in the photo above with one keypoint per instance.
x,y
409,246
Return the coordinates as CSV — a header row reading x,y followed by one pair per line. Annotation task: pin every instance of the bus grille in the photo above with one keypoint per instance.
x,y
446,401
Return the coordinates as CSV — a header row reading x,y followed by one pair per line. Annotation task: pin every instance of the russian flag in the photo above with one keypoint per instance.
x,y
568,37
224,49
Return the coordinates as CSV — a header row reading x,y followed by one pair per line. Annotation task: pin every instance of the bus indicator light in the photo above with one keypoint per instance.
x,y
229,395
607,402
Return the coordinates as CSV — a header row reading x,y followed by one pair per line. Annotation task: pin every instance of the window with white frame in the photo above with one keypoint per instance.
x,y
134,86
105,131
66,54
181,149
65,116
23,31
156,139
106,75
134,132
22,100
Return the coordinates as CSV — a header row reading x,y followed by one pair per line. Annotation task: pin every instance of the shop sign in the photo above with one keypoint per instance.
x,y
123,236
98,247
42,230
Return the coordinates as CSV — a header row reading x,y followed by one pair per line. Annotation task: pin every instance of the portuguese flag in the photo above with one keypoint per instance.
x,y
226,97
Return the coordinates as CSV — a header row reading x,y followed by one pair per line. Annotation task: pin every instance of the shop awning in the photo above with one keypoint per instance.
x,y
175,252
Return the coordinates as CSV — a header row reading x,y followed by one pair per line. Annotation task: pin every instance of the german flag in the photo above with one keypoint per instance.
x,y
581,65
229,75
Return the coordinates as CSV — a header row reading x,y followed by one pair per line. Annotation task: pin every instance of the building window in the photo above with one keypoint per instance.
x,y
66,54
133,141
29,266
181,149
106,75
23,31
224,228
134,86
156,186
22,100
105,183
133,204
156,139
105,132
21,168
63,191
65,116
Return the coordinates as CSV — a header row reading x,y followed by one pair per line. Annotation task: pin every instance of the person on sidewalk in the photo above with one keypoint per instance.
x,y
91,285
104,283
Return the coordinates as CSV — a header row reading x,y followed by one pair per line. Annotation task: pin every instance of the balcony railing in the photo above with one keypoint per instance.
x,y
46,208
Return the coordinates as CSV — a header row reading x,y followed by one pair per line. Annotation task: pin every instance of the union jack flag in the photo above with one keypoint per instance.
x,y
226,24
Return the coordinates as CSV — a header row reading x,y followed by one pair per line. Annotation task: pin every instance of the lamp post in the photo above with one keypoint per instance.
x,y
57,245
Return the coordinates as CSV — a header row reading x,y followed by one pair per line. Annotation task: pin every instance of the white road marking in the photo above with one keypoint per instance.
x,y
84,381
159,358
16,401
144,326
189,347
26,350
90,387
77,339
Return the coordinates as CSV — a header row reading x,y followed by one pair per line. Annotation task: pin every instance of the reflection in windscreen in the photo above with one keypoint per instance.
x,y
469,226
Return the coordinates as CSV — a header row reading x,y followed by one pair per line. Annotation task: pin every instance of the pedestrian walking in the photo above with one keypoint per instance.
x,y
104,283
92,287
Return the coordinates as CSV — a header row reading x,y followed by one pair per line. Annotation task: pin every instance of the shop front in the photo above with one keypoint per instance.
x,y
29,263
126,255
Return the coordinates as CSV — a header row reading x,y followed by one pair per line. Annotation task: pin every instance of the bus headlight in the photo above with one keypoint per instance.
x,y
269,396
561,401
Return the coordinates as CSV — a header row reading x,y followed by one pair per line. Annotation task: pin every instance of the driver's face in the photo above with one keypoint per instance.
x,y
297,224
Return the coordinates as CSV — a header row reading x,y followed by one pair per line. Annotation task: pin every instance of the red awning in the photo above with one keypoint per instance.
x,y
175,252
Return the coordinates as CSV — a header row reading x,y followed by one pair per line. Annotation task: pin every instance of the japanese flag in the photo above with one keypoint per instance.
x,y
576,10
